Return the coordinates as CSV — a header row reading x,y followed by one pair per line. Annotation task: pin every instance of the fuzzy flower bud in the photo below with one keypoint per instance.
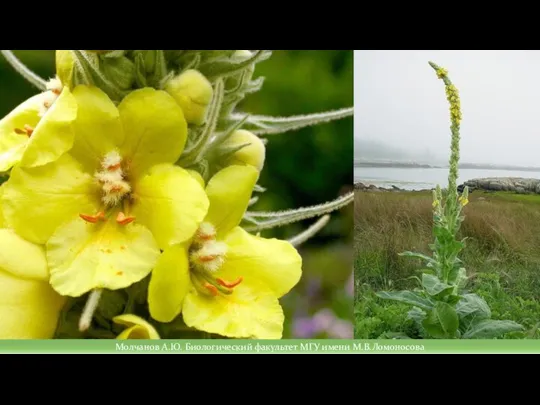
x,y
193,92
65,63
252,154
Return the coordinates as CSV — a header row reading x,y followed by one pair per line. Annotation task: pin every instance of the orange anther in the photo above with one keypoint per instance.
x,y
208,258
114,167
29,130
123,220
56,91
116,189
93,218
229,284
213,290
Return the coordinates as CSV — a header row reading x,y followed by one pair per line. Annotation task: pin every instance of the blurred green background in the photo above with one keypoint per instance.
x,y
304,167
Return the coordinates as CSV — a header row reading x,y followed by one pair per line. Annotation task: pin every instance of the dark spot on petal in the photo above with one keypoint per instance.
x,y
119,273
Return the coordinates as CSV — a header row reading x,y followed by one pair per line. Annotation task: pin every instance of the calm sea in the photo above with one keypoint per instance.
x,y
420,178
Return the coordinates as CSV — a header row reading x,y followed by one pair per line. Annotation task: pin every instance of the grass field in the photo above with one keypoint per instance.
x,y
502,257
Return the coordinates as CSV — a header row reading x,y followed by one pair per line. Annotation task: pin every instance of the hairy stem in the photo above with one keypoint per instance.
x,y
24,71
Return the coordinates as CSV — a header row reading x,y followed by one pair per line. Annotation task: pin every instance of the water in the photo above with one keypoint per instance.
x,y
426,178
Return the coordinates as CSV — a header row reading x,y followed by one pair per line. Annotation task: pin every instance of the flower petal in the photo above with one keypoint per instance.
x,y
169,284
2,221
229,192
169,202
98,129
12,144
83,256
54,134
155,129
29,309
138,327
197,176
37,200
270,262
242,314
21,258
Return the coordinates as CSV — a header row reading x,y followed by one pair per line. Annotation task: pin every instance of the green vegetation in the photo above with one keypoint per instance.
x,y
501,255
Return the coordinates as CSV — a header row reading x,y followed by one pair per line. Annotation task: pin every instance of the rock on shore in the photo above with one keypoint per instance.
x,y
517,185
371,187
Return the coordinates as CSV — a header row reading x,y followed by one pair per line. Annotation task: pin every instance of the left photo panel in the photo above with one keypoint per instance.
x,y
176,194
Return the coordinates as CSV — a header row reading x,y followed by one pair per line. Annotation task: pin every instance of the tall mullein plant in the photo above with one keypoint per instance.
x,y
442,306
208,86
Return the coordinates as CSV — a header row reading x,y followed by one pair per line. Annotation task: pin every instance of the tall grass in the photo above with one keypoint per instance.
x,y
501,255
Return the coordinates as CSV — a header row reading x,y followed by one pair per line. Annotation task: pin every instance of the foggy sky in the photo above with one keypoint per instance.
x,y
399,100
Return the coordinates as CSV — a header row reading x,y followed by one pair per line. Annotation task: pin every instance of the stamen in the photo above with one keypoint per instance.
x,y
93,218
229,284
213,290
28,130
209,258
122,219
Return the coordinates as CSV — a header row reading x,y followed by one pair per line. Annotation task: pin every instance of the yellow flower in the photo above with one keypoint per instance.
x,y
137,328
226,281
193,92
105,209
29,307
463,201
40,128
253,154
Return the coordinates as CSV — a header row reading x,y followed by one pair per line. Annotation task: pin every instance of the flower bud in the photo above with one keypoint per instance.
x,y
253,154
121,71
242,54
29,307
138,328
193,92
65,63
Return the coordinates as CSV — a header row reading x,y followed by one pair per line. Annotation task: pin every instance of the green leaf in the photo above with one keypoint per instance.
x,y
474,306
407,297
442,321
434,286
428,259
489,329
417,315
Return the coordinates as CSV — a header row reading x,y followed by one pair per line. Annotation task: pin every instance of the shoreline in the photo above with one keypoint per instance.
x,y
516,185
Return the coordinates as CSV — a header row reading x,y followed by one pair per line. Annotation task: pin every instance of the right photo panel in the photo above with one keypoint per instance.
x,y
447,194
